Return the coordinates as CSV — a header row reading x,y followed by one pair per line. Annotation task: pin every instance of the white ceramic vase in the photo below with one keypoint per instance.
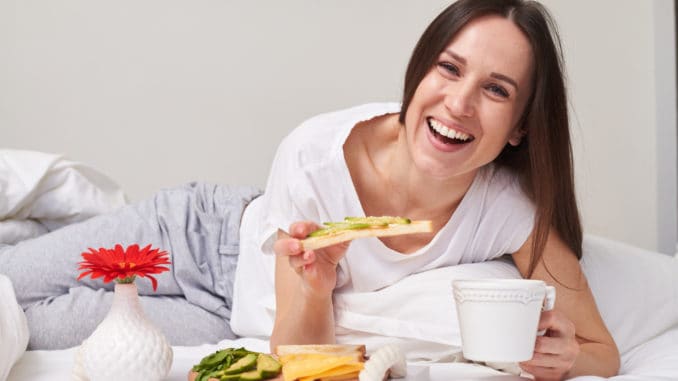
x,y
126,345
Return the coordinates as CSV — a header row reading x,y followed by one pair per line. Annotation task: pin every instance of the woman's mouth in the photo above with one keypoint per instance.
x,y
446,134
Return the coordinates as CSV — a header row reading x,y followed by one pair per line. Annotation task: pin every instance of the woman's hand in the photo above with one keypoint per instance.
x,y
304,282
317,268
556,351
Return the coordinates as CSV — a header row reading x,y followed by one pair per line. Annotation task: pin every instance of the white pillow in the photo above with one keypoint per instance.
x,y
53,190
417,313
13,328
636,290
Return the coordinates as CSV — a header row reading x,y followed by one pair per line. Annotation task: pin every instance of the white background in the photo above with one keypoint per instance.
x,y
155,93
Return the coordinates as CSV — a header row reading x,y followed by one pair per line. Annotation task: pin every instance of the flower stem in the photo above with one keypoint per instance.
x,y
129,279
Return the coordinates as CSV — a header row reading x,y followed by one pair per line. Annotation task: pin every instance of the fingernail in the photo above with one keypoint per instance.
x,y
299,230
294,246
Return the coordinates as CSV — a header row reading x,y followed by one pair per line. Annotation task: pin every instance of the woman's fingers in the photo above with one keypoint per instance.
x,y
555,352
547,345
543,373
299,262
556,323
291,245
302,229
287,247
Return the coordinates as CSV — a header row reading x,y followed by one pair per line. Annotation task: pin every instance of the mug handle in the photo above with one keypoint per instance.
x,y
549,303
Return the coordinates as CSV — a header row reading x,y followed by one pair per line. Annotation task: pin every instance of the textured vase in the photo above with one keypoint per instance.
x,y
126,345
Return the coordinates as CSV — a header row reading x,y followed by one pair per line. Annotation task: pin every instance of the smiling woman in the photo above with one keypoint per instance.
x,y
480,146
475,128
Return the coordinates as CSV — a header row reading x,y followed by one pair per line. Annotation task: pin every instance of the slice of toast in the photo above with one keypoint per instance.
x,y
312,243
358,351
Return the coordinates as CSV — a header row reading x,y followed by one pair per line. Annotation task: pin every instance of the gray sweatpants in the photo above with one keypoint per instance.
x,y
198,224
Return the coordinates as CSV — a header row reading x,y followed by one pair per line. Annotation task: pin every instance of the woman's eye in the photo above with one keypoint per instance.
x,y
498,90
450,68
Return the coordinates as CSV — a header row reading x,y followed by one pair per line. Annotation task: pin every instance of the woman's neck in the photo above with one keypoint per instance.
x,y
417,193
388,182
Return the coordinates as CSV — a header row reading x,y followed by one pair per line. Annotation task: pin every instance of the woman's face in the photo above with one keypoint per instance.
x,y
466,108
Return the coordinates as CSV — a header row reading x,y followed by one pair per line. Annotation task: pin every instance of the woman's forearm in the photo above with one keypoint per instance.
x,y
596,359
305,321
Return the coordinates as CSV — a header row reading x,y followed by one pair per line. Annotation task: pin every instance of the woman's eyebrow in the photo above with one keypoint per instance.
x,y
505,78
498,76
456,56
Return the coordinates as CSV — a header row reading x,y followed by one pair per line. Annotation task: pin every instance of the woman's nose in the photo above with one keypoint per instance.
x,y
460,101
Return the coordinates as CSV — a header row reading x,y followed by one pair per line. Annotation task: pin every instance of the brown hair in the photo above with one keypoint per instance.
x,y
543,161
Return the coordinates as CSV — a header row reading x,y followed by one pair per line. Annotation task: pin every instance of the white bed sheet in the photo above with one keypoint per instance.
x,y
657,359
57,365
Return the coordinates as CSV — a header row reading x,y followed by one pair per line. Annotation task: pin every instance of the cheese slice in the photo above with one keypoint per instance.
x,y
312,365
347,371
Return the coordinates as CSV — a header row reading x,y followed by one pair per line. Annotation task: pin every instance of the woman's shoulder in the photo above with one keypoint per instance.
x,y
502,215
342,120
322,136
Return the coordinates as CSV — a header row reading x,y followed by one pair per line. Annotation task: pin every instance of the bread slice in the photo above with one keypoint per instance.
x,y
357,351
312,243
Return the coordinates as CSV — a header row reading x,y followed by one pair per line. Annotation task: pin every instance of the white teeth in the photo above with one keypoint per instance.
x,y
446,131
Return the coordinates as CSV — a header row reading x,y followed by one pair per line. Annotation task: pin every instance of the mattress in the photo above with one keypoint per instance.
x,y
656,359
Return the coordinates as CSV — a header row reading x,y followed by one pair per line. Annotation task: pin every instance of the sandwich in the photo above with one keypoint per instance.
x,y
359,227
321,362
340,362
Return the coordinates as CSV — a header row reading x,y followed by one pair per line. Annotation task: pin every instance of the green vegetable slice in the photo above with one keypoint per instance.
x,y
253,375
268,366
248,362
230,377
336,227
233,364
357,223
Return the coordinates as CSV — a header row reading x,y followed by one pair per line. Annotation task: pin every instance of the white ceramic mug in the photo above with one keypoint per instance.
x,y
498,318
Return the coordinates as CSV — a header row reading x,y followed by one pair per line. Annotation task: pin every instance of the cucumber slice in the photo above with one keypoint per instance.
x,y
253,375
321,232
207,375
336,227
248,362
357,223
347,225
268,366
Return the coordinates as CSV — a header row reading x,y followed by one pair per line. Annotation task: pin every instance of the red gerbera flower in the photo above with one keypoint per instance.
x,y
123,265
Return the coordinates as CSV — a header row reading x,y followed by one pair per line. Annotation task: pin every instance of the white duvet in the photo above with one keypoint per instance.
x,y
40,192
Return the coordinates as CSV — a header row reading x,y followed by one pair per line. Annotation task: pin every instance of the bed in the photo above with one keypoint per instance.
x,y
636,291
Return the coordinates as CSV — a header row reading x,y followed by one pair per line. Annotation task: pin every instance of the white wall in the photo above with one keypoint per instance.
x,y
621,63
159,92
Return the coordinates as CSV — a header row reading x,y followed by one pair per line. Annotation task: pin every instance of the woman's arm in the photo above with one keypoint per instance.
x,y
304,283
577,341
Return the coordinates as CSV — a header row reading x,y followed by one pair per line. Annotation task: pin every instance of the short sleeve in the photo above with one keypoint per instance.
x,y
515,213
506,217
287,198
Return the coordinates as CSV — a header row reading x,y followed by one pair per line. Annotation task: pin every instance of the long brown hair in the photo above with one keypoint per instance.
x,y
543,160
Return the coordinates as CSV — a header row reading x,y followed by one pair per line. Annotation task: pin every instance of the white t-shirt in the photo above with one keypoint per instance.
x,y
310,180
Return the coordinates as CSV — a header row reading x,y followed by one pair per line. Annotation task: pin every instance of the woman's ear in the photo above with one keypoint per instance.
x,y
517,136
